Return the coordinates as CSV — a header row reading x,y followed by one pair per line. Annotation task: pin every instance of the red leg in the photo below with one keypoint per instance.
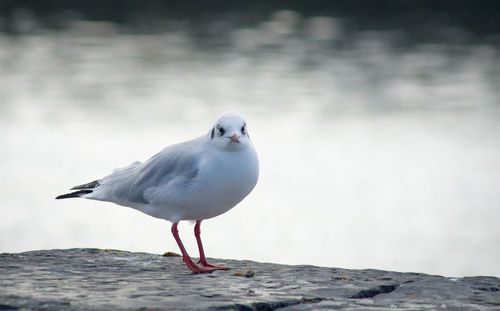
x,y
185,257
203,260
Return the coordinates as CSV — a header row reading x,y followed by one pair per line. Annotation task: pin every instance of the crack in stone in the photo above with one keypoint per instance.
x,y
372,292
270,306
488,289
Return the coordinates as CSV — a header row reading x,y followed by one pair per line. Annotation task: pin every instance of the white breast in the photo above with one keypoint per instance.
x,y
225,178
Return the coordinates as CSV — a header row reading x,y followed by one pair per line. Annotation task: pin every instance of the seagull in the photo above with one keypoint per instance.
x,y
193,180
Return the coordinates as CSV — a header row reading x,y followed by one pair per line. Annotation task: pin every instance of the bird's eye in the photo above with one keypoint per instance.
x,y
221,130
243,130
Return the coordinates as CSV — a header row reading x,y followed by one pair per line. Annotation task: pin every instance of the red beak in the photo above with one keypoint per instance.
x,y
234,138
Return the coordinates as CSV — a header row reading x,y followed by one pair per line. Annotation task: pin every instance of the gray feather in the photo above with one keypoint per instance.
x,y
130,183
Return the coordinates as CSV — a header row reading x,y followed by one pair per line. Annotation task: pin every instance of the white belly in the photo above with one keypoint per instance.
x,y
223,183
223,180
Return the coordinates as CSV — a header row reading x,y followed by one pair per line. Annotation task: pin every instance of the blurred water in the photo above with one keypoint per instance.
x,y
373,154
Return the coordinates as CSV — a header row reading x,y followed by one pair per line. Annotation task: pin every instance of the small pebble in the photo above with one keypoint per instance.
x,y
171,254
248,274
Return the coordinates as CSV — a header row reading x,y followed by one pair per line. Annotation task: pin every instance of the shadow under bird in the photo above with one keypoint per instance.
x,y
194,180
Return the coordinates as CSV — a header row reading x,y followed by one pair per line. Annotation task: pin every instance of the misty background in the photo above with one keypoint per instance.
x,y
377,125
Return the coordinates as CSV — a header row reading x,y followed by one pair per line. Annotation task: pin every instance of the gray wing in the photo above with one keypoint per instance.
x,y
177,162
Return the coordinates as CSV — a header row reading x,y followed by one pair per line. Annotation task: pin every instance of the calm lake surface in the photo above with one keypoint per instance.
x,y
372,154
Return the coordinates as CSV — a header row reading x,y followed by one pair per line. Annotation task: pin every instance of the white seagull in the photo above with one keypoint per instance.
x,y
194,180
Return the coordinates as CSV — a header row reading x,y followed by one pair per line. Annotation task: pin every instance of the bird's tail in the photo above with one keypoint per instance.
x,y
81,190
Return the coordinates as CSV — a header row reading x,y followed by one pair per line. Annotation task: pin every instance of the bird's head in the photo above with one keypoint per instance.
x,y
230,133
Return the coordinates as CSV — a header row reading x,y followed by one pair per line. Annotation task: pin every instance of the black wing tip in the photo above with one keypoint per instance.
x,y
90,185
75,194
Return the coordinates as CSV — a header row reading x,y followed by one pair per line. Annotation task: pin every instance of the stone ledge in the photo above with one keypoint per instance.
x,y
93,279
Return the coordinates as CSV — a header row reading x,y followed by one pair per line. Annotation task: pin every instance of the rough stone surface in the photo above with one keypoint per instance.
x,y
92,279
